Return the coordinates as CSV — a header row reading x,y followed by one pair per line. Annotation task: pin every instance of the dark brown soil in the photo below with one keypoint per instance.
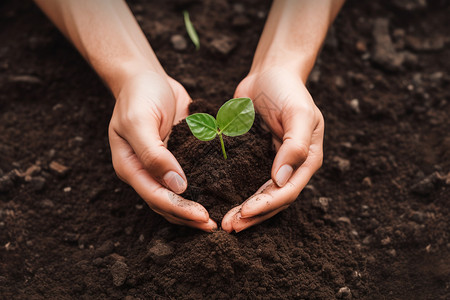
x,y
214,182
80,233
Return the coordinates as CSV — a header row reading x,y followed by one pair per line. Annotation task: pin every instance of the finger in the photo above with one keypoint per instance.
x,y
274,197
145,140
227,220
270,196
209,226
294,150
160,199
240,223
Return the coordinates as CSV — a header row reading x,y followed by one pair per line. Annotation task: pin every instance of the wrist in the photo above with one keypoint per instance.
x,y
127,71
295,63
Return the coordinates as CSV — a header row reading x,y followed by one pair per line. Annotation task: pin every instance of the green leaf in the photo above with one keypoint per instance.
x,y
236,116
191,30
203,126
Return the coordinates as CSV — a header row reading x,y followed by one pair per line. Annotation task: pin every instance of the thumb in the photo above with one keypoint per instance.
x,y
298,129
156,158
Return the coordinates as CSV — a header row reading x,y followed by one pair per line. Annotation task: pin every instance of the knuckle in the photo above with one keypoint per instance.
x,y
149,159
299,149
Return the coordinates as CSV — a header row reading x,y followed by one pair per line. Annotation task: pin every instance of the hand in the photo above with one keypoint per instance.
x,y
297,127
147,106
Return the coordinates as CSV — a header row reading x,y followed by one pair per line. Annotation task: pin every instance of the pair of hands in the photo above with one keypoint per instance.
x,y
149,104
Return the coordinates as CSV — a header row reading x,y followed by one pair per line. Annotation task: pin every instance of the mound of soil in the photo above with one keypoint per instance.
x,y
373,223
214,182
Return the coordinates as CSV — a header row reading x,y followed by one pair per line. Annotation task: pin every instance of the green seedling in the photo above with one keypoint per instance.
x,y
191,30
234,118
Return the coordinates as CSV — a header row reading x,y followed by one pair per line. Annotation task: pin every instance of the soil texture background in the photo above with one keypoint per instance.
x,y
373,223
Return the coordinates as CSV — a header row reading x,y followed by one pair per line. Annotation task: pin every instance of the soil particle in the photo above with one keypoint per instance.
x,y
428,184
344,293
354,105
178,42
341,164
97,261
58,168
222,45
47,203
30,79
119,272
159,252
105,249
340,82
322,202
384,53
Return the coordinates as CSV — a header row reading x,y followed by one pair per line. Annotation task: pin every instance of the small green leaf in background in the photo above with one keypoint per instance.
x,y
203,126
236,116
191,30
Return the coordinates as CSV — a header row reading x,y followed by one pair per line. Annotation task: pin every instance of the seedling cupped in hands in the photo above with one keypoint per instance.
x,y
234,118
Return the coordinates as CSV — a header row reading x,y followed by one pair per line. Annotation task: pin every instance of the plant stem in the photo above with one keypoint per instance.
x,y
223,146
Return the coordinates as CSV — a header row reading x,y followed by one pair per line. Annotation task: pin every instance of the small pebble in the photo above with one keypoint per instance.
x,y
361,46
344,220
322,203
392,252
119,272
354,105
98,261
178,42
141,238
222,45
47,203
67,189
344,293
58,168
339,82
159,252
386,241
25,79
367,182
367,240
342,164
105,249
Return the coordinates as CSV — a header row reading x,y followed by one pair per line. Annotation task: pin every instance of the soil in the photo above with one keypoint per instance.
x,y
214,182
373,223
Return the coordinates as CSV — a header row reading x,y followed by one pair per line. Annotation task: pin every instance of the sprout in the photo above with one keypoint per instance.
x,y
234,118
191,30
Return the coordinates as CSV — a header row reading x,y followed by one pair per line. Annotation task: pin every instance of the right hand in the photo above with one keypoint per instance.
x,y
147,106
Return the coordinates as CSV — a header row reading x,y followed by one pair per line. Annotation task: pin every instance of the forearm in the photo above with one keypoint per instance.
x,y
294,33
106,33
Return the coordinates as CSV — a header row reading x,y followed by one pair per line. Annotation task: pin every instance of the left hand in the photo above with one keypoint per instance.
x,y
281,98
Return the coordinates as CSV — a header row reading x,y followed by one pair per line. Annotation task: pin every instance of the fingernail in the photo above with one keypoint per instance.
x,y
283,175
175,182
